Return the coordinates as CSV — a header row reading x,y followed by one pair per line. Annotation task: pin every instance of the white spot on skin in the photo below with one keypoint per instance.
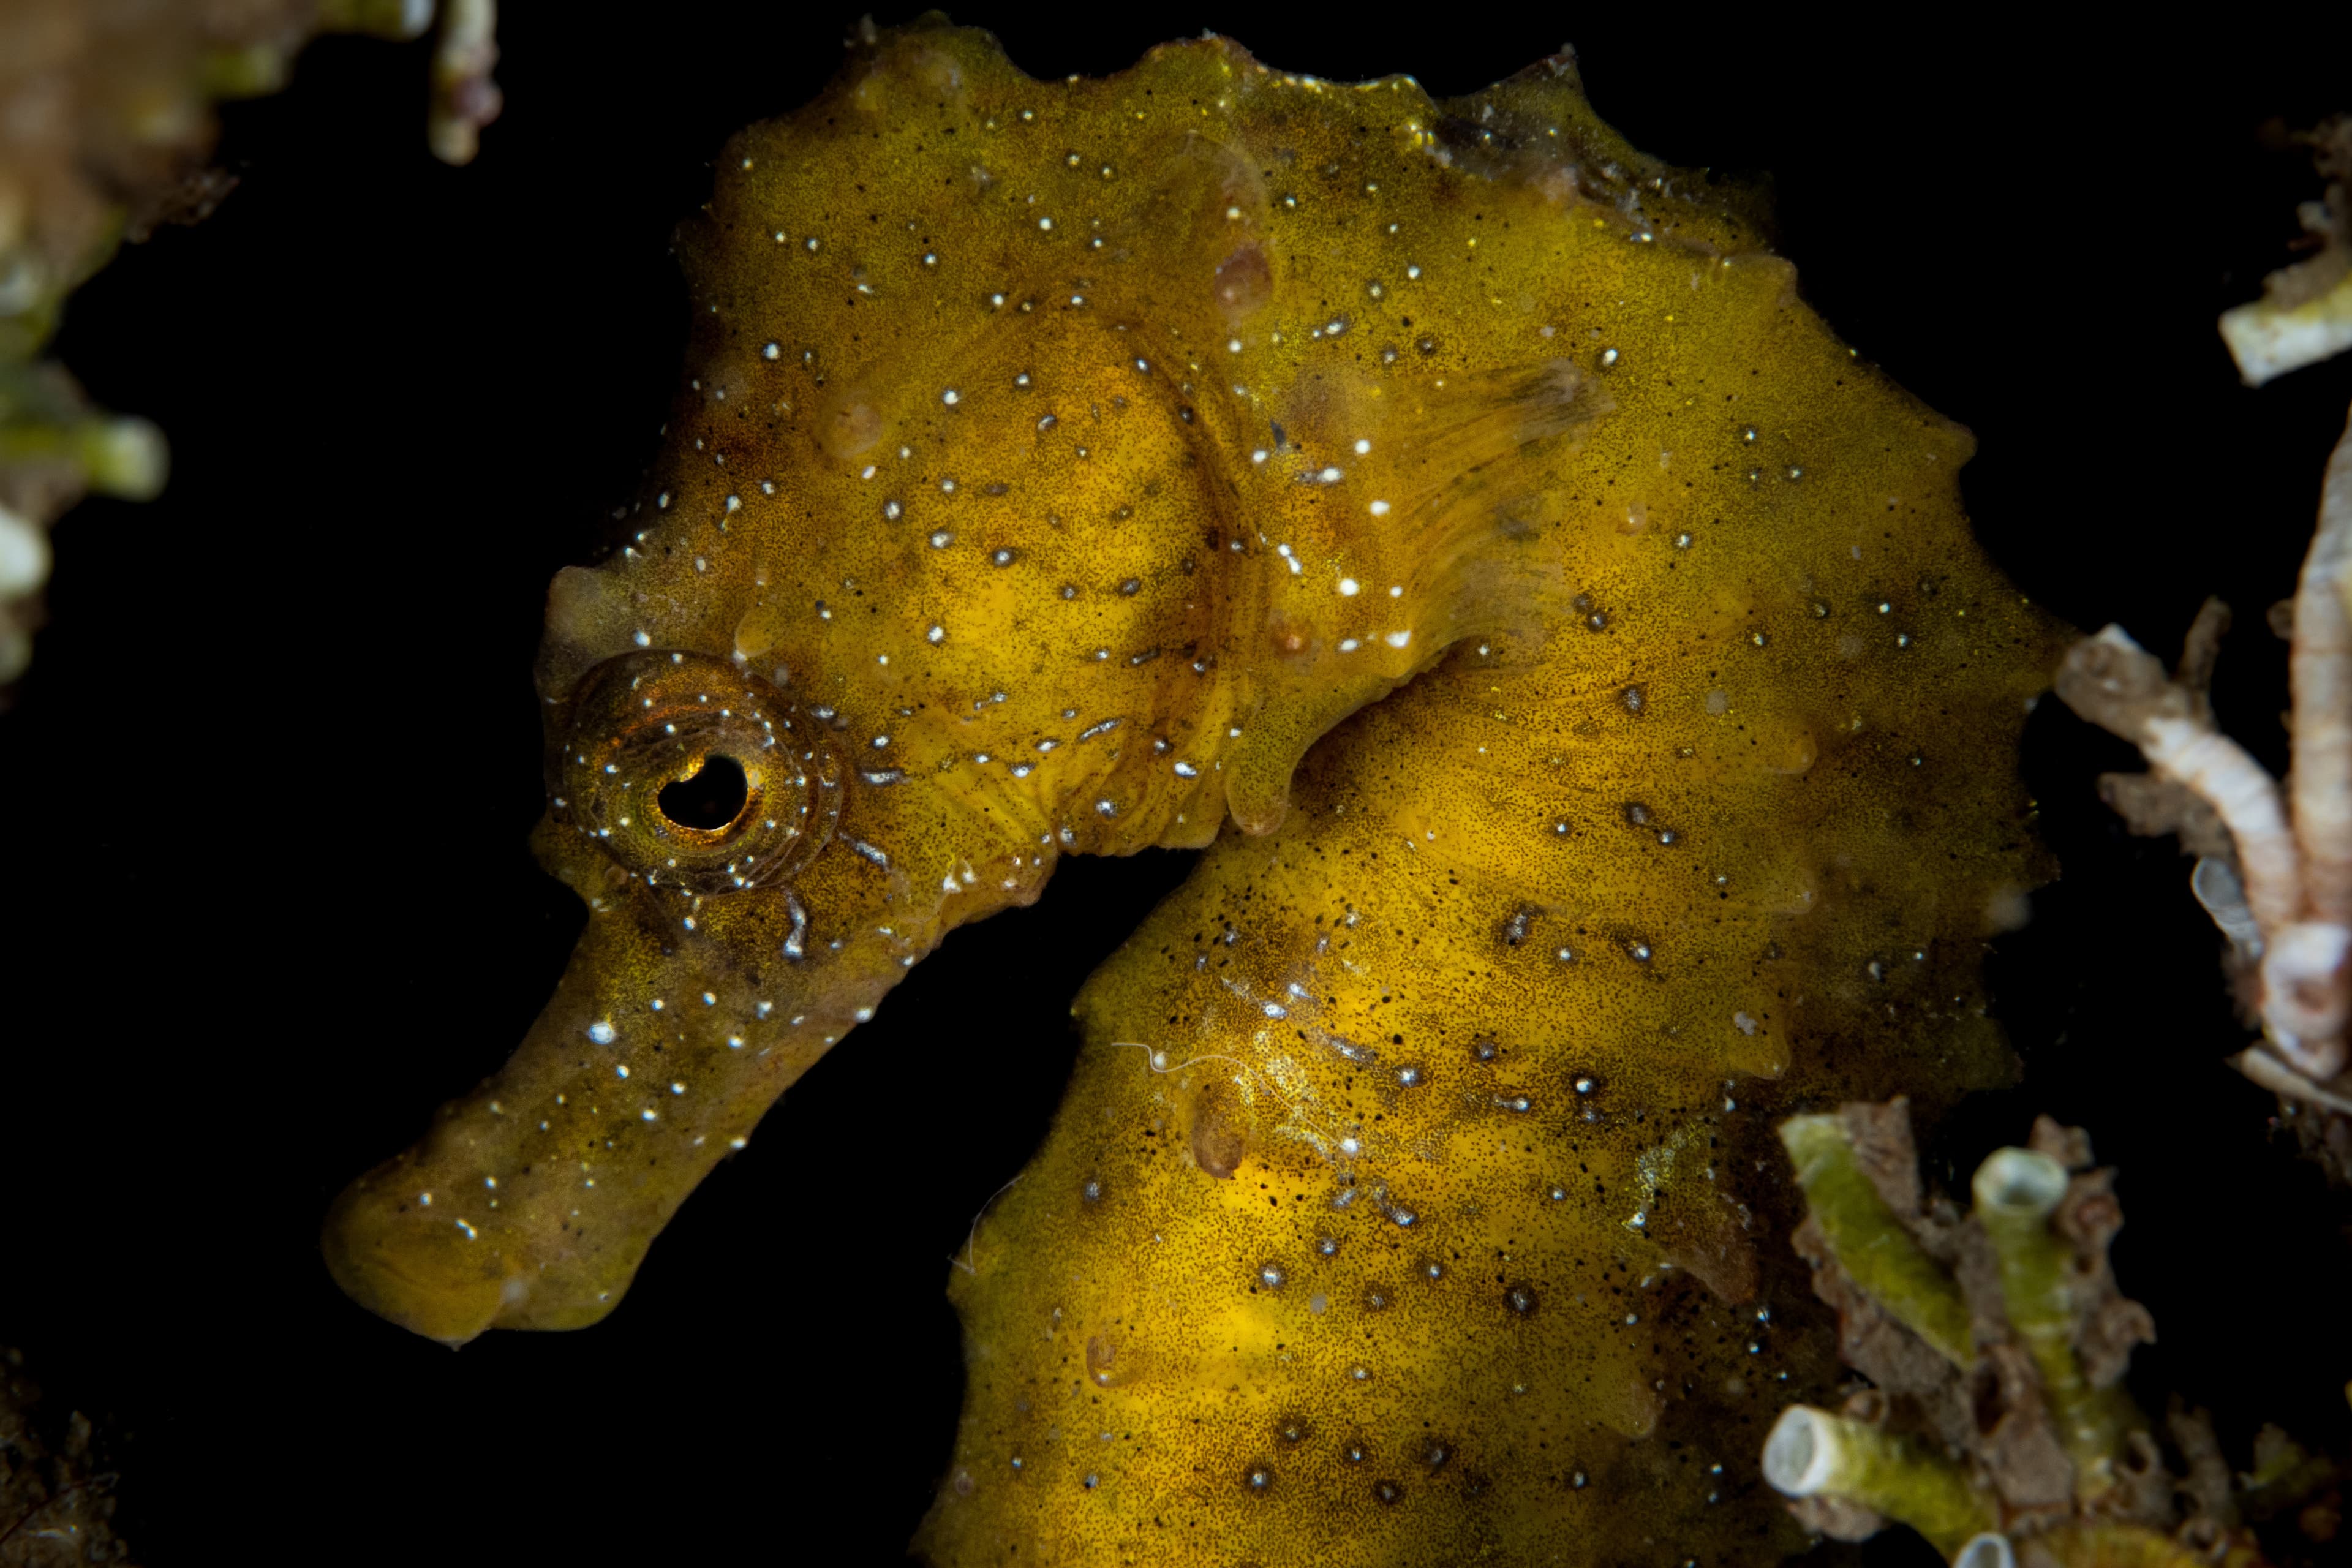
x,y
1380,509
602,1032
1397,639
1349,588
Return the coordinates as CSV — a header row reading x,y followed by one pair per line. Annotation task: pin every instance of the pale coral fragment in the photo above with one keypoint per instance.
x,y
2294,853
2304,315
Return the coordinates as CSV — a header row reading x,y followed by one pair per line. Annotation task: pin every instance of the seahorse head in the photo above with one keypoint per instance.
x,y
1047,479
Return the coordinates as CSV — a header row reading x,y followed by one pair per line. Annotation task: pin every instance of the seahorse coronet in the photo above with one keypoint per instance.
x,y
1613,718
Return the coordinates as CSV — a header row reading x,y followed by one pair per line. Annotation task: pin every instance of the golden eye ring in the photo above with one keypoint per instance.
x,y
645,723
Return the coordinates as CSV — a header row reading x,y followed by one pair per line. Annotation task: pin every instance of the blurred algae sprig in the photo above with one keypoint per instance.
x,y
106,130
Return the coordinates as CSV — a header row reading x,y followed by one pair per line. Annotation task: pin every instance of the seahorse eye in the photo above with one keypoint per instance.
x,y
695,775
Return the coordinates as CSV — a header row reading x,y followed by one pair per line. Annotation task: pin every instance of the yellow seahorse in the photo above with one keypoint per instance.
x,y
1059,464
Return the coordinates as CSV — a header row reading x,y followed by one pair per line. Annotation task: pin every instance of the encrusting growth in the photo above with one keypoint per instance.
x,y
2014,1442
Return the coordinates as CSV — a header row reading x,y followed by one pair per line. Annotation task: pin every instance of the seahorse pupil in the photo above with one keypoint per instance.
x,y
709,798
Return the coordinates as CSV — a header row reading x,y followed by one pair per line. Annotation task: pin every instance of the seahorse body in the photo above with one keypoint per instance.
x,y
1059,463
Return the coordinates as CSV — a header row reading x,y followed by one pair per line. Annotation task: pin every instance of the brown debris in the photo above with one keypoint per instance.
x,y
183,204
2205,1487
2088,1217
2119,689
55,1506
1869,1341
2070,1146
2326,1136
2327,221
1976,1269
1882,1149
2199,650
1705,1233
2153,806
2018,1455
2108,1333
1836,1517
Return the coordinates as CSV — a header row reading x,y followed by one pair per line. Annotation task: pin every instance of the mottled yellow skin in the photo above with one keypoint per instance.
x,y
1220,404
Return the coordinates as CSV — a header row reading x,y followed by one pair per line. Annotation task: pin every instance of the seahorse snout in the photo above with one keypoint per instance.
x,y
531,1202
437,1286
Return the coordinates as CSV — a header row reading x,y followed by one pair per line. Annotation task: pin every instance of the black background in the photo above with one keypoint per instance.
x,y
266,793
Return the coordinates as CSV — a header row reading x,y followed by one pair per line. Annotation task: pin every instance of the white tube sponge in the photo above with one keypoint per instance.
x,y
1812,1453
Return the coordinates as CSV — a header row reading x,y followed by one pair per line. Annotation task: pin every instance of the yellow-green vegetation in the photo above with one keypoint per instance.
x,y
2012,1441
1059,464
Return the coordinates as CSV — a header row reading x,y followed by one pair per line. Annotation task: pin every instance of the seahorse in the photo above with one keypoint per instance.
x,y
1572,657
